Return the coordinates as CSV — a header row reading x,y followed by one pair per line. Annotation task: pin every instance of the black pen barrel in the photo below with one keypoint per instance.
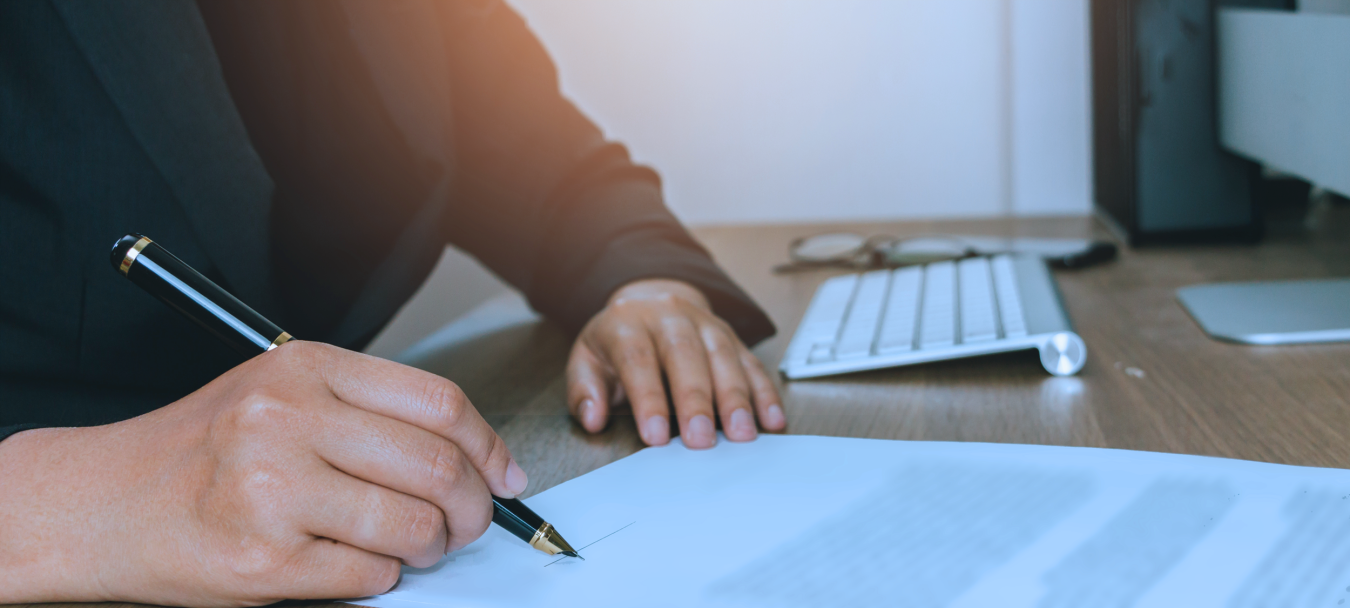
x,y
175,283
516,518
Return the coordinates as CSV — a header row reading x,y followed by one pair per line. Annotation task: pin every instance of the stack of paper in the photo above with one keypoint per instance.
x,y
816,521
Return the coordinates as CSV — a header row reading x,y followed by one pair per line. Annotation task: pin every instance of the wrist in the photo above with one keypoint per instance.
x,y
46,539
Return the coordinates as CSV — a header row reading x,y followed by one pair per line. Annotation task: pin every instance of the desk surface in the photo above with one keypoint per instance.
x,y
1153,381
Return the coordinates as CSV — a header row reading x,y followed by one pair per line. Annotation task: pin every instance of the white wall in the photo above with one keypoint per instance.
x,y
809,110
1051,108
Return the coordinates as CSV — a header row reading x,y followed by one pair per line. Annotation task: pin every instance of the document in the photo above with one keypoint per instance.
x,y
821,521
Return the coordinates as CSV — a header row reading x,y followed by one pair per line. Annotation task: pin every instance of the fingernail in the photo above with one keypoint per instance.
x,y
700,433
774,418
515,478
656,430
742,426
590,415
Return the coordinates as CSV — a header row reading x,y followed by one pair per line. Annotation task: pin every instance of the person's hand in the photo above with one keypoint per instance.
x,y
658,328
305,472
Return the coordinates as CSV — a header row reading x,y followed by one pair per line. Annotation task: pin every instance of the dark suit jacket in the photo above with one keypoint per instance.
x,y
314,158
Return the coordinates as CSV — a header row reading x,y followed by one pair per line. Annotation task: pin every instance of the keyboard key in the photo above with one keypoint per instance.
x,y
1009,301
938,327
820,353
902,312
860,326
825,316
977,301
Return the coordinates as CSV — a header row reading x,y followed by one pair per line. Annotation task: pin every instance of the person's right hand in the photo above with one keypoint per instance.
x,y
305,472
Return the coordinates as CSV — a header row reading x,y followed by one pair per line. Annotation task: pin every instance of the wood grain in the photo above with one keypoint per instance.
x,y
1153,381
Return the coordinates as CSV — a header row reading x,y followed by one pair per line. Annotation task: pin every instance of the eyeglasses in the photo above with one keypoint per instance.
x,y
854,251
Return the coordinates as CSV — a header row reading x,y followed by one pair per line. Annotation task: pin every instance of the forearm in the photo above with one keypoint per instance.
x,y
544,200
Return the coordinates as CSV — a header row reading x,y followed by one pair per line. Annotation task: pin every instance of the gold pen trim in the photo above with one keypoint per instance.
x,y
130,257
548,540
282,339
540,536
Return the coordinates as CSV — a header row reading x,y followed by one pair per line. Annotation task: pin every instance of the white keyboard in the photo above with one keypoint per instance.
x,y
943,310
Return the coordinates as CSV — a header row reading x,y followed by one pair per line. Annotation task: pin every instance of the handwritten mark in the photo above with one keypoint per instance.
x,y
591,543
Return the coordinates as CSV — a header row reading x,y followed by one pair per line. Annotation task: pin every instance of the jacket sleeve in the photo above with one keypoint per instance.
x,y
543,200
6,431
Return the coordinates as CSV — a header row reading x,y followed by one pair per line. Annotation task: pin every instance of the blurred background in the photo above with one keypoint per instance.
x,y
809,110
781,111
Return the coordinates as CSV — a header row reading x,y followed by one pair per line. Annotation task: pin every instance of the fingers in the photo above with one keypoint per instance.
x,y
413,462
587,384
426,401
767,402
631,350
686,363
710,373
730,384
378,520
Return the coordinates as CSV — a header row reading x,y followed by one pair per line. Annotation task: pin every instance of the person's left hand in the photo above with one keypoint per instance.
x,y
655,326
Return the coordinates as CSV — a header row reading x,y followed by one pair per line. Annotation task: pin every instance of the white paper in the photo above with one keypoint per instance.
x,y
818,521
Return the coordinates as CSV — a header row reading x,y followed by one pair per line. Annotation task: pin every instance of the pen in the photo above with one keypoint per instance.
x,y
185,290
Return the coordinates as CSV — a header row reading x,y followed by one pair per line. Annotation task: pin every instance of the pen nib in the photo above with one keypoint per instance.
x,y
552,543
574,554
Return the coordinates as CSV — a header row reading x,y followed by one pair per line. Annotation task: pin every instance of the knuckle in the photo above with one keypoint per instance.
x,y
446,469
424,523
644,395
629,334
680,341
667,300
259,409
445,402
733,395
695,394
621,311
256,559
720,337
260,491
497,453
636,354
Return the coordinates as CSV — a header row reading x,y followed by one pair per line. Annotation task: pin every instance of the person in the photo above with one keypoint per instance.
x,y
313,158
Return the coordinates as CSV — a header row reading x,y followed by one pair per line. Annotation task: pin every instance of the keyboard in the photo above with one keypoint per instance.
x,y
943,310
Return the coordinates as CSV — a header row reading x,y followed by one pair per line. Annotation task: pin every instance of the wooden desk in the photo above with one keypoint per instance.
x,y
1153,381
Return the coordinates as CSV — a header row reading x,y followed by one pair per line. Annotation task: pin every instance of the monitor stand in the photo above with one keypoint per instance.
x,y
1276,312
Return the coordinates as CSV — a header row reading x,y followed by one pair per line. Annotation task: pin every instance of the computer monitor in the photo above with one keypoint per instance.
x,y
1283,89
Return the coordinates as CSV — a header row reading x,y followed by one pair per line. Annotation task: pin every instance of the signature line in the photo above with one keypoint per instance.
x,y
592,543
